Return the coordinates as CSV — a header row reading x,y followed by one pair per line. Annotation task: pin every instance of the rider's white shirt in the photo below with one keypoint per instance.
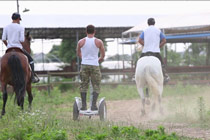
x,y
151,39
14,34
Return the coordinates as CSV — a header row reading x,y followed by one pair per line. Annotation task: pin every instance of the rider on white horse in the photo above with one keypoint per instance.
x,y
153,39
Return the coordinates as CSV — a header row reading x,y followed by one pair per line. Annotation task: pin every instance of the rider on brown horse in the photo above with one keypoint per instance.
x,y
13,37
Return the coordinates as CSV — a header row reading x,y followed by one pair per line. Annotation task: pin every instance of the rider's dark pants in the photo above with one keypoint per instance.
x,y
30,59
153,54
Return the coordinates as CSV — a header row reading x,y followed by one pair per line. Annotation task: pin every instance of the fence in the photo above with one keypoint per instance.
x,y
119,78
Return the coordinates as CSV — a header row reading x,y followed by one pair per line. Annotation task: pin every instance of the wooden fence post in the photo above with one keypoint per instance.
x,y
48,82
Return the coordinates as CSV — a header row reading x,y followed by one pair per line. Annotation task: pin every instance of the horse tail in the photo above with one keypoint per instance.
x,y
18,79
152,80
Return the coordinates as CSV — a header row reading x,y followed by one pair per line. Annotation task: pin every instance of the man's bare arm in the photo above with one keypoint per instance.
x,y
163,42
79,49
102,50
5,42
141,41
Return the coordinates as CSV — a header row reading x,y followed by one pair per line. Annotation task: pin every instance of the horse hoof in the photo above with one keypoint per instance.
x,y
143,113
148,102
161,112
153,107
2,115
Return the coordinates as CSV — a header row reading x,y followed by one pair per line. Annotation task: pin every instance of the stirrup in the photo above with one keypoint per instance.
x,y
35,78
166,79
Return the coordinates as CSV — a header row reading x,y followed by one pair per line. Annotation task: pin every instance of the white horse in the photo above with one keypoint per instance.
x,y
149,74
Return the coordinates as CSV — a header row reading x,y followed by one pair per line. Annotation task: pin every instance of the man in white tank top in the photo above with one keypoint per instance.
x,y
88,50
153,39
13,36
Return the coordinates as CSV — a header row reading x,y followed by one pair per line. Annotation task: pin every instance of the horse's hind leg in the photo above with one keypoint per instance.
x,y
147,96
30,96
20,101
4,90
141,93
160,104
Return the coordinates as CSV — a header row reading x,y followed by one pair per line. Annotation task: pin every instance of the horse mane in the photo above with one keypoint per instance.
x,y
27,42
18,78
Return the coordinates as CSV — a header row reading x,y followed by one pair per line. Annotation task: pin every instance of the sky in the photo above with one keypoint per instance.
x,y
105,7
77,13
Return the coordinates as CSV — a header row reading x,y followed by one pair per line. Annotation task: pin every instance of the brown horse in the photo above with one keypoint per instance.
x,y
15,71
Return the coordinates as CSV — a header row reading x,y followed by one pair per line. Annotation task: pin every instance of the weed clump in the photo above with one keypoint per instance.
x,y
128,133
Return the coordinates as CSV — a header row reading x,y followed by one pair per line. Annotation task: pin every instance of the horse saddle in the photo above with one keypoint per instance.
x,y
149,54
14,49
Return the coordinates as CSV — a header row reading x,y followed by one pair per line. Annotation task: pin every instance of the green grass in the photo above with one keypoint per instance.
x,y
120,92
51,116
181,90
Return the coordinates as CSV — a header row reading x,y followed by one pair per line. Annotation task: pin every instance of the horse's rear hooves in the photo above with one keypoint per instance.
x,y
147,102
161,112
1,116
153,107
2,113
143,113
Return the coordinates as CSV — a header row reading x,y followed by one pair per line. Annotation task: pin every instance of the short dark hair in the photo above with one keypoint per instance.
x,y
16,16
151,21
90,29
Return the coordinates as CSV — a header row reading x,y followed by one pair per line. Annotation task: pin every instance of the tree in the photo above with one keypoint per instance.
x,y
173,58
66,52
195,54
54,51
54,54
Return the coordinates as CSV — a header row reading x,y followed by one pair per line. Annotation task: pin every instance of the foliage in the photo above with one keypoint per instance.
x,y
119,92
67,50
195,54
54,51
65,87
50,117
203,113
32,126
118,57
173,58
53,55
127,133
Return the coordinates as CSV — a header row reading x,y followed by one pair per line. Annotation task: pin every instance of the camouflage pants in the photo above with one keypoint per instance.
x,y
87,73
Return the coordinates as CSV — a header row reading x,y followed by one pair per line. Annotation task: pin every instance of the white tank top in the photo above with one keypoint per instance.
x,y
90,52
14,34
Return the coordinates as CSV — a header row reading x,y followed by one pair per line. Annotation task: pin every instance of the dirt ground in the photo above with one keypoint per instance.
x,y
129,111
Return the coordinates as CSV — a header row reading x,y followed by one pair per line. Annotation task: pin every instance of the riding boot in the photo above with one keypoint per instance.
x,y
34,77
95,97
84,104
165,75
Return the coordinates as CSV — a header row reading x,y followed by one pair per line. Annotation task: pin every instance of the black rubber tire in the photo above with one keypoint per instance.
x,y
102,111
75,111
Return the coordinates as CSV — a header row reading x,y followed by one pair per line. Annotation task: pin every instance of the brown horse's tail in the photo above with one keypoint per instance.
x,y
18,79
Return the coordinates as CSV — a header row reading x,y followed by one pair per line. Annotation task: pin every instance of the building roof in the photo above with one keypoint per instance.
x,y
71,33
178,28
